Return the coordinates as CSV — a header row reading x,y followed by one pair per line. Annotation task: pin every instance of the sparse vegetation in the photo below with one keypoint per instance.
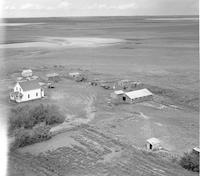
x,y
190,161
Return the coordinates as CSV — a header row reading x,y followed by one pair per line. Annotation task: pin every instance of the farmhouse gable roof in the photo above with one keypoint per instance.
x,y
29,85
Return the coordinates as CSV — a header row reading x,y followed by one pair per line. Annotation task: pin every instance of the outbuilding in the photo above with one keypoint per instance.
x,y
53,77
153,144
77,76
127,85
137,96
196,150
117,96
74,74
27,73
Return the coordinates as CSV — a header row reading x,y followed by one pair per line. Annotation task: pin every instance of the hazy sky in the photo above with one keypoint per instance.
x,y
37,8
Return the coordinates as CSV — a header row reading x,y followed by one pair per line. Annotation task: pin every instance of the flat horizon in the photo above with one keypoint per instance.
x,y
118,16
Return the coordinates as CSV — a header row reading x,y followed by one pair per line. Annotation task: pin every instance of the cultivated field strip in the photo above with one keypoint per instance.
x,y
33,164
88,158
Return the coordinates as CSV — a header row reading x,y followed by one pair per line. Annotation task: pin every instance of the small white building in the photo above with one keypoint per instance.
x,y
26,91
27,73
117,96
196,150
74,74
153,144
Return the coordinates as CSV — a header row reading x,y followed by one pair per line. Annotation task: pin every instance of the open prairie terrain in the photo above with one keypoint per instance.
x,y
100,138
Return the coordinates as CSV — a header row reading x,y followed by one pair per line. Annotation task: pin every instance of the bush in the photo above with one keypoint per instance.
x,y
190,161
27,117
52,115
29,124
19,117
24,137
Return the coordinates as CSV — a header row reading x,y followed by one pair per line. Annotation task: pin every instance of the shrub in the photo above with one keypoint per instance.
x,y
29,124
190,161
27,117
24,137
19,117
52,115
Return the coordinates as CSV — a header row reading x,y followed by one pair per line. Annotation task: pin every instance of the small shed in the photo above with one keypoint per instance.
x,y
117,96
53,77
137,96
74,74
196,150
27,73
77,76
153,144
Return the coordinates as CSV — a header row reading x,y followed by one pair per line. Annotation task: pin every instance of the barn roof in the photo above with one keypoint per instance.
x,y
29,85
153,141
138,93
118,92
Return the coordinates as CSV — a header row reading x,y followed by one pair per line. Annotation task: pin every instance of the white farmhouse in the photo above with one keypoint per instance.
x,y
26,91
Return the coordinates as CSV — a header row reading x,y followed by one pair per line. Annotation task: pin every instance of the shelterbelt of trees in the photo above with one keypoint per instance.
x,y
31,124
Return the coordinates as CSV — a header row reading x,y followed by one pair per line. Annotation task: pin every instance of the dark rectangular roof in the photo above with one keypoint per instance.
x,y
29,85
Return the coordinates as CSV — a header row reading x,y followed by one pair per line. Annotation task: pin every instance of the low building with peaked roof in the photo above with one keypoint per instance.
x,y
131,97
26,91
74,74
138,96
53,77
27,73
117,96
